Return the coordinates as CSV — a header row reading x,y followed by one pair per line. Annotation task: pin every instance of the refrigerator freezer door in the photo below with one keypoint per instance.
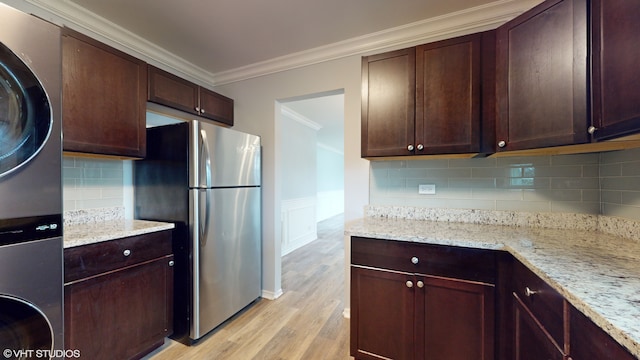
x,y
221,157
226,254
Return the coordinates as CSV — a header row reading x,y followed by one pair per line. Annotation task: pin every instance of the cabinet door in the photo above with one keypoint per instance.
x,y
172,91
448,85
388,103
589,342
531,340
456,319
616,75
541,77
103,98
382,314
216,107
120,314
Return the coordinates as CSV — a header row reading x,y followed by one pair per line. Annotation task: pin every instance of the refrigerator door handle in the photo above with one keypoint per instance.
x,y
206,156
204,218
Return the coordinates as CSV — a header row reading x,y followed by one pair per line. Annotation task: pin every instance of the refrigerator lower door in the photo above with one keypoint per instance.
x,y
226,236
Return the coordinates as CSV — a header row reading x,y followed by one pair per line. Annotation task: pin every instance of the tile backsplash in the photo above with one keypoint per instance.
x,y
90,183
596,183
620,183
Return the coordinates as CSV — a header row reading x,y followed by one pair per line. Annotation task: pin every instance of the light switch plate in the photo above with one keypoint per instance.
x,y
427,189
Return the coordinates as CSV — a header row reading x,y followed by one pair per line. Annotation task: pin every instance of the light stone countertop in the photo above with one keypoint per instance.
x,y
93,232
598,273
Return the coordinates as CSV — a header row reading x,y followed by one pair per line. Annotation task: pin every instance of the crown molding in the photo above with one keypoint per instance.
x,y
480,18
73,16
330,148
296,116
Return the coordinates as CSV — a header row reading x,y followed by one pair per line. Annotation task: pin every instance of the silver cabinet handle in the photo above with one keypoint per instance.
x,y
529,292
202,111
502,143
420,147
410,147
409,284
127,252
592,130
420,284
171,263
197,108
415,260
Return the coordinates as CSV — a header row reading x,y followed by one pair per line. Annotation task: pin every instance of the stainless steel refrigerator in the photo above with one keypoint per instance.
x,y
205,179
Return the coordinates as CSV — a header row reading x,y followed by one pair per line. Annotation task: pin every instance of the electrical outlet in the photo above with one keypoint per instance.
x,y
427,189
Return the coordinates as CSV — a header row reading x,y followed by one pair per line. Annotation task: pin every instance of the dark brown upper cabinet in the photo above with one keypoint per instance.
x,y
615,32
103,98
429,99
450,76
388,103
172,91
542,77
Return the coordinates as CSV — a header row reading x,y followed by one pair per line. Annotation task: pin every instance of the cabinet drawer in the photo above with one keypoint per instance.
x,y
89,260
449,261
546,304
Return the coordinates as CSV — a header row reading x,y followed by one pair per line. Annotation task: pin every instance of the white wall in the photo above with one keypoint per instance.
x,y
298,174
256,108
298,159
330,182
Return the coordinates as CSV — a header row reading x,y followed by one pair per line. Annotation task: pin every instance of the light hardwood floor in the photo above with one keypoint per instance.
x,y
306,322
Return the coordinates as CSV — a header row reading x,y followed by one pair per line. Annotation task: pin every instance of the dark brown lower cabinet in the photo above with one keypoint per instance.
x,y
456,319
120,313
589,342
532,341
413,315
382,314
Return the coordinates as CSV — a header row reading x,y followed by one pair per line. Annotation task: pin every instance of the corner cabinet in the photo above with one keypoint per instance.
x,y
546,326
103,98
420,301
542,77
172,91
615,32
428,99
539,328
119,296
589,342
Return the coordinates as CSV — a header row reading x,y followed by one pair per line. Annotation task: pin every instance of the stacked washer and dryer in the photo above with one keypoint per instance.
x,y
31,253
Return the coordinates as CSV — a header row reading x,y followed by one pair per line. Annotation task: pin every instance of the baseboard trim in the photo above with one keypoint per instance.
x,y
270,295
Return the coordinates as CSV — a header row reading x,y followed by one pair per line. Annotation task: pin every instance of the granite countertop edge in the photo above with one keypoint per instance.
x,y
589,268
90,233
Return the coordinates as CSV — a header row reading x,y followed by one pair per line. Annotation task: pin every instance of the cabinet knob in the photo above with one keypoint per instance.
x,y
201,111
592,130
127,252
409,284
415,260
529,292
197,108
420,147
502,143
410,147
420,284
171,263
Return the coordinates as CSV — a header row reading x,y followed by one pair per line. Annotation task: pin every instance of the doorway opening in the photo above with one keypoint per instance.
x,y
312,165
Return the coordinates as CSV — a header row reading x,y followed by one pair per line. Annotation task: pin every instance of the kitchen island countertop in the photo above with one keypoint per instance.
x,y
89,233
598,273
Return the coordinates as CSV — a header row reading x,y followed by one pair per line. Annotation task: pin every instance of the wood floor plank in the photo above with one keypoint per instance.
x,y
306,322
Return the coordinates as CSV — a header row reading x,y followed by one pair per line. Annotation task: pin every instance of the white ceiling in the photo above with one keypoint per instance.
x,y
219,35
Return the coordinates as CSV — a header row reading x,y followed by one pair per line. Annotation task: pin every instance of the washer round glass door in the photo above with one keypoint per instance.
x,y
25,113
24,329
